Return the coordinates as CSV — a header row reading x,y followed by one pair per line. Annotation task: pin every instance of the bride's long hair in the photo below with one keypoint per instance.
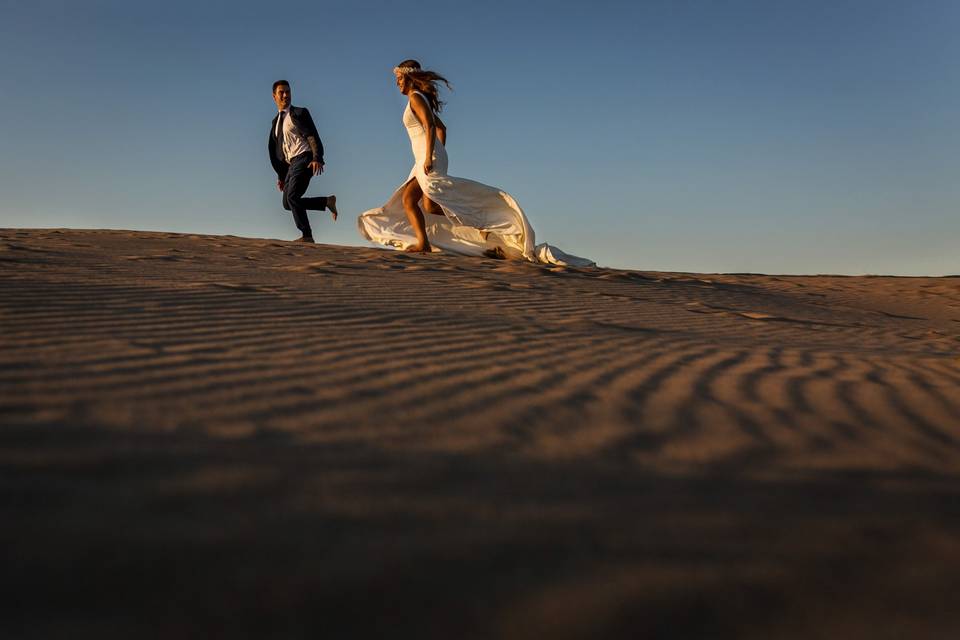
x,y
426,82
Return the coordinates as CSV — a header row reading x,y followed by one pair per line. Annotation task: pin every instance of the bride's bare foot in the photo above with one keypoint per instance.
x,y
332,206
419,248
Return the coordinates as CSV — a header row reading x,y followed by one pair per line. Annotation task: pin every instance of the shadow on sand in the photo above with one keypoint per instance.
x,y
111,534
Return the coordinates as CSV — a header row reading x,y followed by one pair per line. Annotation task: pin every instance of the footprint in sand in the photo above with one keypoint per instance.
x,y
239,287
900,317
163,258
700,307
490,285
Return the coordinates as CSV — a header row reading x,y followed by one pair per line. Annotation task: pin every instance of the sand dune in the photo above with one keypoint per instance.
x,y
217,436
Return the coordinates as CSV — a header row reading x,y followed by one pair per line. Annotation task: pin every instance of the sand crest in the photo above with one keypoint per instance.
x,y
216,436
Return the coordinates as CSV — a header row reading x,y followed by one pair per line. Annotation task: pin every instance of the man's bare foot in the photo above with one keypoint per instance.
x,y
419,248
332,205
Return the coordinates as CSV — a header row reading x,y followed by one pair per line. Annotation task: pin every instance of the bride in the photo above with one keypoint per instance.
x,y
465,216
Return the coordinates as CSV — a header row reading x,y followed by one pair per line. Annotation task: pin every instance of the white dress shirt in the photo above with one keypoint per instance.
x,y
291,143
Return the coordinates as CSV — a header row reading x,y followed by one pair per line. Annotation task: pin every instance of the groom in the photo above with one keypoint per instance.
x,y
296,154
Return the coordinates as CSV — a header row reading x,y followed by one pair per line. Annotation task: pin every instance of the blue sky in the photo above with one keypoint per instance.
x,y
762,136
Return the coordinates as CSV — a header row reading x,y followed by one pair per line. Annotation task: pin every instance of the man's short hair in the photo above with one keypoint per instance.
x,y
280,83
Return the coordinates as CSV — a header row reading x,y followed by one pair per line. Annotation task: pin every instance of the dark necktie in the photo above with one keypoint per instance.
x,y
280,134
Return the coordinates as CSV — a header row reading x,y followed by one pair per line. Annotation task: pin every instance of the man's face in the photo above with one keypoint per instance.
x,y
282,97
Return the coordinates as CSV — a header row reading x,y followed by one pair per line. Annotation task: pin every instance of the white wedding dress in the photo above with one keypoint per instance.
x,y
477,217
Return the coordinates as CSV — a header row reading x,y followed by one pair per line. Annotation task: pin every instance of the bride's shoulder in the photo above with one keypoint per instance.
x,y
417,93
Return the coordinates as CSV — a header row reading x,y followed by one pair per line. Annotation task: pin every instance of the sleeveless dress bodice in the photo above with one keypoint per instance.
x,y
417,133
411,122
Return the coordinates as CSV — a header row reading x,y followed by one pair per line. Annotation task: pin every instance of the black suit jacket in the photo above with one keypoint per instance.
x,y
301,119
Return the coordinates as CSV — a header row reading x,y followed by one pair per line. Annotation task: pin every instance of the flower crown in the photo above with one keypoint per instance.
x,y
406,70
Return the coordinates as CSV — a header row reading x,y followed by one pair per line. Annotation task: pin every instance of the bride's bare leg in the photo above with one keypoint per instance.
x,y
411,198
430,206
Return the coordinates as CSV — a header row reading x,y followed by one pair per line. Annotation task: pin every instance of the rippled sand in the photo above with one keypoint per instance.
x,y
209,436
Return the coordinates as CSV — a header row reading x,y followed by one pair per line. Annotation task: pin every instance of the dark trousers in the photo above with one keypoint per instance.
x,y
294,186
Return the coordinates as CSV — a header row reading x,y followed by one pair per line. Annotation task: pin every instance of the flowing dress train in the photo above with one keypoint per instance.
x,y
477,217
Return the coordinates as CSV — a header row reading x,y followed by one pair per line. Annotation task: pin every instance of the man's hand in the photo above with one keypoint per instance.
x,y
316,167
279,185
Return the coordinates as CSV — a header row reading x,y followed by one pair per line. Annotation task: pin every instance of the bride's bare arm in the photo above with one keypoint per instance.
x,y
425,116
441,131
